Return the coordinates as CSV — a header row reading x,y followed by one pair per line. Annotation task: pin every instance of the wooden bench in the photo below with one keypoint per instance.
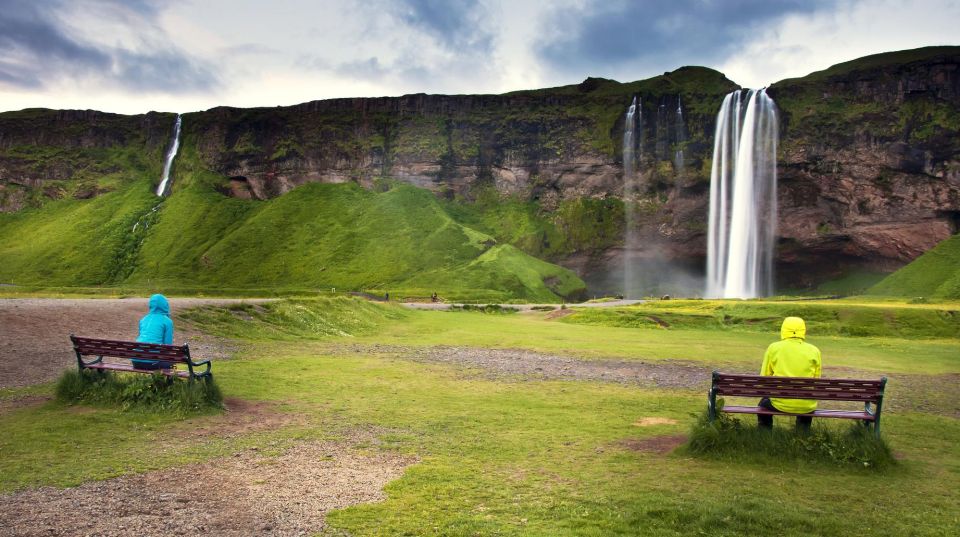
x,y
132,350
868,392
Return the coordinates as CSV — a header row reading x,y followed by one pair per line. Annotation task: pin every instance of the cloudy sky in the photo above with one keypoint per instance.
x,y
183,55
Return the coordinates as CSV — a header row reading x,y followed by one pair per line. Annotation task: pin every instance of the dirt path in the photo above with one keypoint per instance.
x,y
498,364
938,394
247,494
524,307
34,332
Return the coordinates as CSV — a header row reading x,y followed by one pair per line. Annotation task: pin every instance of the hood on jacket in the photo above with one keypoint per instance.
x,y
159,304
793,327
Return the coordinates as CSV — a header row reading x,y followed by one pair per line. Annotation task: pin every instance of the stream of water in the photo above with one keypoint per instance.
x,y
743,197
164,188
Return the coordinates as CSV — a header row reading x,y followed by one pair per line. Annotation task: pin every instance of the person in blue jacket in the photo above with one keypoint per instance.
x,y
155,327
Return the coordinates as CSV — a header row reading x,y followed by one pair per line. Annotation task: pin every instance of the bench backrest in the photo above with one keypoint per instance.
x,y
86,346
822,389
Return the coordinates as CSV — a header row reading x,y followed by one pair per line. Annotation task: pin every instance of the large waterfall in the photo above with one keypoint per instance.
x,y
163,189
743,197
633,118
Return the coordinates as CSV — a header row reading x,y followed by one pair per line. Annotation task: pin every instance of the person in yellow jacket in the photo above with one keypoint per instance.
x,y
790,357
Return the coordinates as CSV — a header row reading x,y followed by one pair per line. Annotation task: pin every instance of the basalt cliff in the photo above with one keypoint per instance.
x,y
868,161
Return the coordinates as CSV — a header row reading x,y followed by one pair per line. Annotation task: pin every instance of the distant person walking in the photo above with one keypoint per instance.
x,y
790,357
155,327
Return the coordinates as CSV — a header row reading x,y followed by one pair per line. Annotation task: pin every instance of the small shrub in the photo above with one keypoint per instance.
x,y
728,438
151,392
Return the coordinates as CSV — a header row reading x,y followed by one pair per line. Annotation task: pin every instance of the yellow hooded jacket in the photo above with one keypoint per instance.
x,y
792,357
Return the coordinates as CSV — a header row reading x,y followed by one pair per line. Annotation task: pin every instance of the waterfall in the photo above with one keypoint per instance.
x,y
743,197
633,117
680,133
168,161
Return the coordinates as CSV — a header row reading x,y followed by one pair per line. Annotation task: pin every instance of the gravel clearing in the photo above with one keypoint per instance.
x,y
34,332
246,494
519,364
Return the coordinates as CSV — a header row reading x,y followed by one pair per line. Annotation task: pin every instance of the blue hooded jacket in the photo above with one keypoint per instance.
x,y
156,326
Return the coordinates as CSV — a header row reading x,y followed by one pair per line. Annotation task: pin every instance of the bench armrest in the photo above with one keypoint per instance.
x,y
205,373
91,362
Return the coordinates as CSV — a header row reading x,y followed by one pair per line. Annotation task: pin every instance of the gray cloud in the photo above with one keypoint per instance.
x,y
610,37
39,49
455,24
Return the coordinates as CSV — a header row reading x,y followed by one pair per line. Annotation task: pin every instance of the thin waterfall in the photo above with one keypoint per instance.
x,y
633,118
743,203
680,137
163,189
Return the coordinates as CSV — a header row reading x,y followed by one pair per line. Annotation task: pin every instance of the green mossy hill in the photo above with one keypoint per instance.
x,y
935,274
293,319
575,225
903,96
317,236
54,154
822,319
77,242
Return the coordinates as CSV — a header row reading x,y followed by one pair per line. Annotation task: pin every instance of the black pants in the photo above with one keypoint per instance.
x,y
150,365
766,422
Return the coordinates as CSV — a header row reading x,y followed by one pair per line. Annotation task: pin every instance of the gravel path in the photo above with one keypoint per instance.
x,y
529,365
34,332
246,494
524,307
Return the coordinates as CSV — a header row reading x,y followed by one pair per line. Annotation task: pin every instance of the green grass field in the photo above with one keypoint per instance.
x,y
514,456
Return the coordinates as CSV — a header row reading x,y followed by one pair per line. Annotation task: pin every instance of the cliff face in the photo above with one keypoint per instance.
x,y
543,145
869,162
51,154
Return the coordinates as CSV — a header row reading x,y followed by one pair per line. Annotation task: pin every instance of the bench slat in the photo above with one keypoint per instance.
x,y
846,414
799,388
129,349
799,394
131,369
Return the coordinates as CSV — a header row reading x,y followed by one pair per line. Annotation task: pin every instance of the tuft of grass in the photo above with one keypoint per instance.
x,y
151,392
729,439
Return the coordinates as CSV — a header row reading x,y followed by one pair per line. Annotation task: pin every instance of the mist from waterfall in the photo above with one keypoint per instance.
x,y
743,197
633,118
163,188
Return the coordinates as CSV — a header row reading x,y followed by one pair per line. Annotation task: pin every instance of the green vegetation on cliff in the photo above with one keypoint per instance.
x,y
935,274
574,225
884,98
317,236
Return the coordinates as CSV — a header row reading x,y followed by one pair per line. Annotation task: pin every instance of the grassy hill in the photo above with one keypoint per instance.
x,y
316,237
935,274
